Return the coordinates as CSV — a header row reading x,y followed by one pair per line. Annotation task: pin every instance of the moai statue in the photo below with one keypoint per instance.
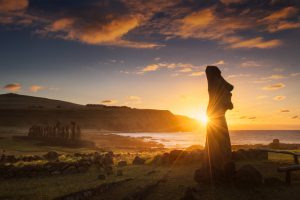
x,y
78,133
63,132
30,132
40,131
218,165
73,129
45,131
67,132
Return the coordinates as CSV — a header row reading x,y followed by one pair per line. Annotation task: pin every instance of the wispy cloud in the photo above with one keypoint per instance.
x,y
186,69
151,68
257,42
238,76
250,63
116,23
274,77
36,88
279,98
261,97
13,5
109,101
178,67
295,74
208,24
197,74
284,111
278,20
220,62
133,100
275,86
295,117
13,87
248,117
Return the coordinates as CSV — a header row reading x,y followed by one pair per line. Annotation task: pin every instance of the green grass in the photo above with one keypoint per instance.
x,y
177,179
31,147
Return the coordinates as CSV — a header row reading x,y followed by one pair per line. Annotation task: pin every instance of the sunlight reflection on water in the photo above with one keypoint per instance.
x,y
238,137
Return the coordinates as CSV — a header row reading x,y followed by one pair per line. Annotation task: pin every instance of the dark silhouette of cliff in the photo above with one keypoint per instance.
x,y
25,111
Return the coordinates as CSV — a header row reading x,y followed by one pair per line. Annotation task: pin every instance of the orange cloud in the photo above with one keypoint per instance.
x,y
284,110
198,19
12,87
220,62
284,25
13,5
197,74
231,1
209,24
186,69
279,98
61,24
277,21
206,24
282,14
179,67
274,86
257,42
35,88
150,68
110,33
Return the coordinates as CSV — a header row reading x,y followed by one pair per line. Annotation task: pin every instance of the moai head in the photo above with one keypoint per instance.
x,y
219,91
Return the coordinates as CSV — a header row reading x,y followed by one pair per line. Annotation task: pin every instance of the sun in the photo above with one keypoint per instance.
x,y
203,118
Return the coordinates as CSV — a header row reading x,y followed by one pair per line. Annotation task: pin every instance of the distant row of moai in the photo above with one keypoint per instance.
x,y
68,132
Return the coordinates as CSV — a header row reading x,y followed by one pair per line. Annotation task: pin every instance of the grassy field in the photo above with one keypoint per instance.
x,y
146,181
175,179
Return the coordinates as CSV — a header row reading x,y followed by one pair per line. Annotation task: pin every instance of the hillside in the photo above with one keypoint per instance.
x,y
25,111
16,101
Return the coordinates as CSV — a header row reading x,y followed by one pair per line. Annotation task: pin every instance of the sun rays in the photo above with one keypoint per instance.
x,y
204,119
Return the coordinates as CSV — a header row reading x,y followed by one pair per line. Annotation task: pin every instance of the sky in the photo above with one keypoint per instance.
x,y
153,54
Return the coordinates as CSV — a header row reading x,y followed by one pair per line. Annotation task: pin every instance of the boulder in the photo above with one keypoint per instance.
x,y
11,159
82,169
175,155
109,170
239,155
247,175
101,177
275,144
108,159
51,155
156,160
165,159
189,194
122,163
119,172
55,172
138,161
272,181
200,176
70,170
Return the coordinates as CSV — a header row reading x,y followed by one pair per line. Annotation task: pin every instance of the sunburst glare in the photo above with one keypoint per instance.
x,y
203,118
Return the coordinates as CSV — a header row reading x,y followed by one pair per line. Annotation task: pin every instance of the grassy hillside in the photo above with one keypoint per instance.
x,y
25,111
16,101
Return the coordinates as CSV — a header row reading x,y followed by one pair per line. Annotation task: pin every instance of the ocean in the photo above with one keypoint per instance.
x,y
238,137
